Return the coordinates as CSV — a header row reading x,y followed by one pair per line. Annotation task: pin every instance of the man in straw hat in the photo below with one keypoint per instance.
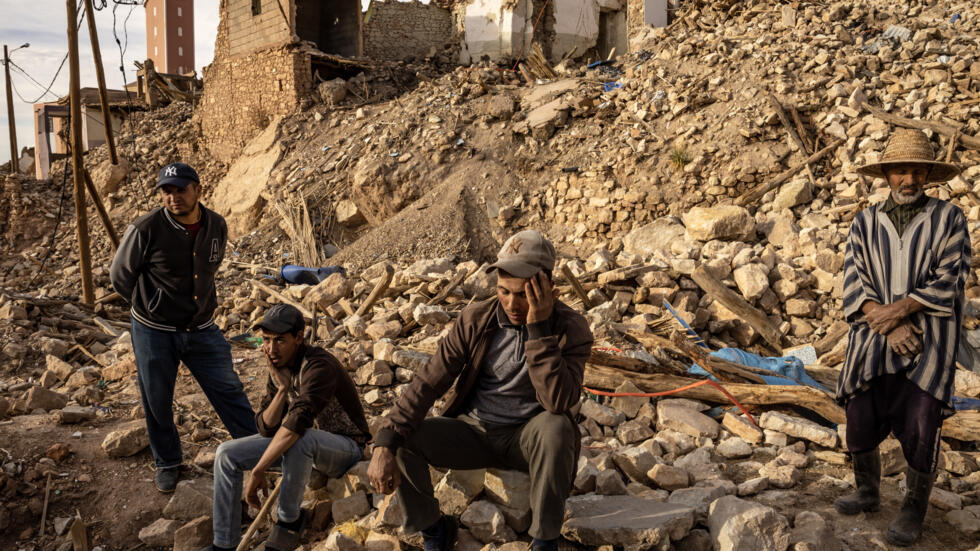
x,y
905,268
515,363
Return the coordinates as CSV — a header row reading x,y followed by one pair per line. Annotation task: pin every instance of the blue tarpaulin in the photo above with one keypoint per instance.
x,y
789,367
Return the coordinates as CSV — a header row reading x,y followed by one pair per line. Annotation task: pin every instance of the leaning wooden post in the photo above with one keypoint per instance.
x,y
78,168
100,76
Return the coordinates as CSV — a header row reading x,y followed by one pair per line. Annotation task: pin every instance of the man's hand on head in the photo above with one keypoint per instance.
x,y
541,296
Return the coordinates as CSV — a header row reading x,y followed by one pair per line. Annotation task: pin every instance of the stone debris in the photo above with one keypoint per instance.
x,y
638,185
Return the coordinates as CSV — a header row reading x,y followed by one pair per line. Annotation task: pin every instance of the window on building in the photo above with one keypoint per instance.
x,y
180,31
180,11
180,69
154,30
256,7
180,50
154,11
156,51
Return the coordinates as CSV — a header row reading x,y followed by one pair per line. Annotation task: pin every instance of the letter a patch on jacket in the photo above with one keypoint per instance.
x,y
215,250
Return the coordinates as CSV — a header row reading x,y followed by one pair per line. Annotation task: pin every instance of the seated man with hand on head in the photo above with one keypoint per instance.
x,y
516,362
311,416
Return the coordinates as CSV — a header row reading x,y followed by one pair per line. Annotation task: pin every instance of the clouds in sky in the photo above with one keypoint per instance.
x,y
43,23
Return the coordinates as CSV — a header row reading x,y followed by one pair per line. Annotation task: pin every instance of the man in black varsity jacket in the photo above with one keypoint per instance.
x,y
165,268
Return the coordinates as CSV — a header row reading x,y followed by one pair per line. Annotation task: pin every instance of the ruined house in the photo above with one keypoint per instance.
x,y
270,55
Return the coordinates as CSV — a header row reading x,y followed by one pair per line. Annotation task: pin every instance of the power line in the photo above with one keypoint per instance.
x,y
47,90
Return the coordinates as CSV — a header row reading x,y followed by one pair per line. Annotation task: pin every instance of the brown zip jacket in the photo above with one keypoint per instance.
x,y
556,351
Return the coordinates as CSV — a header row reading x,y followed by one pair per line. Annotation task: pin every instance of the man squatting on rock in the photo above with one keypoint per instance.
x,y
516,363
311,417
165,268
905,270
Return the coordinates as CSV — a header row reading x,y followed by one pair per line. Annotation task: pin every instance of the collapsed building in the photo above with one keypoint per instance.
x,y
270,56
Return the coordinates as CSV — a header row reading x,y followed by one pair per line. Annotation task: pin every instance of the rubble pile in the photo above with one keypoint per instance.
x,y
673,174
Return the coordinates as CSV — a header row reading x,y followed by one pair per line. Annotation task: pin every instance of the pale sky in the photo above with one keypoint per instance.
x,y
43,23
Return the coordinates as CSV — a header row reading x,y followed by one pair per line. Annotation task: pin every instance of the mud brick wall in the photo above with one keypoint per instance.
x,y
400,30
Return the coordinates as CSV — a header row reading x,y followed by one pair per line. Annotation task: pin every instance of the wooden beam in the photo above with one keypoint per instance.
x,y
739,306
577,287
607,378
283,298
100,209
100,77
78,167
379,289
947,130
757,192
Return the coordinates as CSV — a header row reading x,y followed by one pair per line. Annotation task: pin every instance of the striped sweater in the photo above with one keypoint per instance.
x,y
930,263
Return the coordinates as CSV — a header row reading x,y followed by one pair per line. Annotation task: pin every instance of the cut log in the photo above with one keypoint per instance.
x,y
739,306
607,378
379,289
947,130
622,274
965,426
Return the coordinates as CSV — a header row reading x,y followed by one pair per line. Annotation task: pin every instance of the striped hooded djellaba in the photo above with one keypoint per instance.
x,y
930,263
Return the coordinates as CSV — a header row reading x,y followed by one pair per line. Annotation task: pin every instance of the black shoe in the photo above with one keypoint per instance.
x,y
907,528
867,478
441,536
166,479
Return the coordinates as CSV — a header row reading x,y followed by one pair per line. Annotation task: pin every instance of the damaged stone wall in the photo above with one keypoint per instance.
x,y
243,93
400,30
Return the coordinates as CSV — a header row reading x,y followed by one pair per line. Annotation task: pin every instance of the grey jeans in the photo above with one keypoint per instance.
x,y
331,454
545,447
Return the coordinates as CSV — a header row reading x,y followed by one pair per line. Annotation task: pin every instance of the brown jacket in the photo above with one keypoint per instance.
x,y
323,396
556,352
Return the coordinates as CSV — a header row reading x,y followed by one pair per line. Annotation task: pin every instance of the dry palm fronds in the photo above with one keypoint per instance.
x,y
298,226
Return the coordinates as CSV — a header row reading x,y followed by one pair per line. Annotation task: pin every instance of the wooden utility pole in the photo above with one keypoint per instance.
x,y
78,168
100,75
14,168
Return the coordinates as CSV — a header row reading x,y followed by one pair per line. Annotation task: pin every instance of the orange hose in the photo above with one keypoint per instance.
x,y
675,391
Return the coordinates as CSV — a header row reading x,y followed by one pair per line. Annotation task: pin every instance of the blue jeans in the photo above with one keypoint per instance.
x,y
331,454
208,357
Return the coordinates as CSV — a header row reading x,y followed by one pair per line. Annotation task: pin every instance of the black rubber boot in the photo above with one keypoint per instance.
x,y
867,478
906,529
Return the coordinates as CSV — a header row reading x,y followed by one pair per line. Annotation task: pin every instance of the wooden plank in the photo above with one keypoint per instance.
x,y
947,130
79,535
739,306
607,378
577,287
283,298
784,119
756,193
622,274
379,289
965,426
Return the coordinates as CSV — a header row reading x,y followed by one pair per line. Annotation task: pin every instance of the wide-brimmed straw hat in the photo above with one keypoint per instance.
x,y
909,146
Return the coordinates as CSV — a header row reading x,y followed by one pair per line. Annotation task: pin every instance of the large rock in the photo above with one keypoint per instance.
x,y
624,520
75,414
603,415
742,427
791,194
699,498
510,490
59,367
726,222
752,280
193,498
348,214
458,488
629,405
669,478
129,439
655,236
799,428
195,535
430,315
966,520
328,291
739,525
812,533
42,398
676,416
487,523
351,507
332,91
242,194
635,462
160,533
